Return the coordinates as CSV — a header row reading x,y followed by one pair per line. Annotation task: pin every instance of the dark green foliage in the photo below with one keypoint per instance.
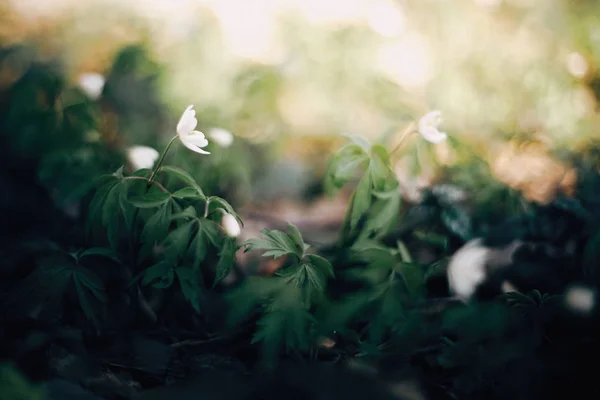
x,y
286,301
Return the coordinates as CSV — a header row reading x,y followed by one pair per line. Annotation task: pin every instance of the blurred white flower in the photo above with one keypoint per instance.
x,y
466,269
577,65
221,136
230,225
141,157
191,138
580,299
428,127
92,84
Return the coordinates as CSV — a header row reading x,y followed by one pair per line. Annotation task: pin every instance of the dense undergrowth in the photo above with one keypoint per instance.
x,y
112,279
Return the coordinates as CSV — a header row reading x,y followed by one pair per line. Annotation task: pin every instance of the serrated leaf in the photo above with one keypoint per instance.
x,y
187,193
276,244
284,326
322,265
153,198
226,260
184,176
296,237
188,280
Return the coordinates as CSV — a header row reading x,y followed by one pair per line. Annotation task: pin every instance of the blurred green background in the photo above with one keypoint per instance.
x,y
297,74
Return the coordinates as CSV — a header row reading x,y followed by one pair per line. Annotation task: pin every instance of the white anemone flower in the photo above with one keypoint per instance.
x,y
141,157
221,136
92,84
189,136
230,225
428,127
580,299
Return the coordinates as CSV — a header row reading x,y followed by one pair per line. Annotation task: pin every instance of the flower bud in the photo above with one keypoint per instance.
x,y
230,225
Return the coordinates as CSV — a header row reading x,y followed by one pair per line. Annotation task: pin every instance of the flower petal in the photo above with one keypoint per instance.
x,y
141,157
195,148
432,135
221,136
196,138
187,122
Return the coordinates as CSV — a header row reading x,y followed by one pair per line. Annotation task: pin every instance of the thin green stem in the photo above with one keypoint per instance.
x,y
208,199
160,161
405,134
141,178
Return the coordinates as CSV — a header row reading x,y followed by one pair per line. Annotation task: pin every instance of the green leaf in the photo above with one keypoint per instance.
x,y
178,240
343,165
379,167
187,193
100,252
156,227
321,264
276,244
384,213
285,326
296,237
361,200
190,287
153,198
160,274
184,176
360,141
226,260
227,207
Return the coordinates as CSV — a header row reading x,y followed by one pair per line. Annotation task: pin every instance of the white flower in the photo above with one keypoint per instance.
x,y
191,138
221,136
92,84
428,127
466,269
580,299
141,157
230,225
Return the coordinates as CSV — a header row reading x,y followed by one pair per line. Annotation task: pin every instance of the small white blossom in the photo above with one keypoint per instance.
x,y
230,225
428,127
221,136
580,299
191,138
466,269
141,157
92,84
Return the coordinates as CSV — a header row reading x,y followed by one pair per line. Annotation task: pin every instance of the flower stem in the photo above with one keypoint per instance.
x,y
208,199
405,134
160,161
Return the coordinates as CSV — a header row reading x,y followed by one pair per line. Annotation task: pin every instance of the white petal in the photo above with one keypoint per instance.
x,y
193,147
196,138
432,118
580,299
230,225
466,269
187,122
92,84
141,157
221,136
432,135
